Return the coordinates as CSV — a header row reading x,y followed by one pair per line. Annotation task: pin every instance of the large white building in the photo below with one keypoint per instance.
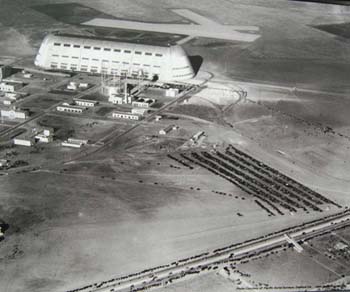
x,y
106,56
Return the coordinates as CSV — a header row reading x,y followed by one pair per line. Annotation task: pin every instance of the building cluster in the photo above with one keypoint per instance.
x,y
74,86
41,135
121,92
10,90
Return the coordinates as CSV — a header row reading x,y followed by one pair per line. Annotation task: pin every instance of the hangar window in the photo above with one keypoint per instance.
x,y
105,61
126,63
97,48
93,70
65,56
146,65
55,56
57,44
127,51
117,50
95,60
115,62
76,46
74,57
148,54
138,53
156,66
136,64
84,58
87,47
66,45
107,49
159,55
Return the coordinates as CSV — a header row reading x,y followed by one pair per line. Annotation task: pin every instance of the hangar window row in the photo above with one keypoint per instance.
x,y
108,61
181,68
109,49
84,68
182,75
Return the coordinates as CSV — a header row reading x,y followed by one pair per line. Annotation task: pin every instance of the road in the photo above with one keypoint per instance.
x,y
166,274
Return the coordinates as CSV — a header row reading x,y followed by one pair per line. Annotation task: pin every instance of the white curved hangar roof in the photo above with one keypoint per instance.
x,y
98,55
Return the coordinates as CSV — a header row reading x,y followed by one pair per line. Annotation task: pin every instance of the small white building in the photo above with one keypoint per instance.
x,y
23,141
83,85
12,95
127,116
116,99
72,85
28,75
8,101
166,130
74,143
4,162
139,111
70,108
143,102
43,138
85,103
14,114
197,136
48,131
171,92
7,86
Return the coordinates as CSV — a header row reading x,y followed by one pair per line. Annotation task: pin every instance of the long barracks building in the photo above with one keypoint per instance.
x,y
105,56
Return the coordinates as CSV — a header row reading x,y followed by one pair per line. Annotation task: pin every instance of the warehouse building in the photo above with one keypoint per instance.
x,y
75,109
139,111
10,86
5,71
167,129
105,56
143,102
74,143
85,103
14,114
127,116
24,141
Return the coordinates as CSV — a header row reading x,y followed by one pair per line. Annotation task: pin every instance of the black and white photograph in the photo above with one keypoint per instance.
x,y
174,146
